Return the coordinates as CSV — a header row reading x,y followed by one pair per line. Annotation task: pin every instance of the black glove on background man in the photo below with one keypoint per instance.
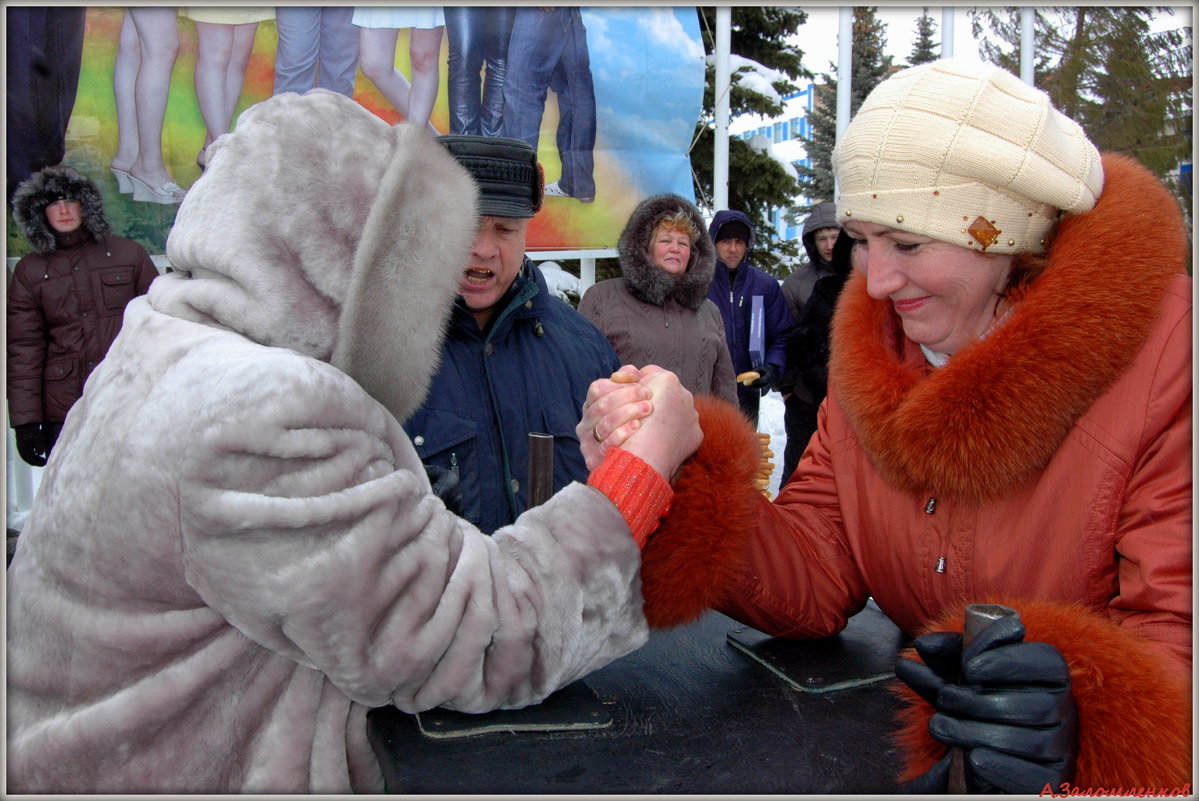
x,y
445,486
31,444
1012,713
768,376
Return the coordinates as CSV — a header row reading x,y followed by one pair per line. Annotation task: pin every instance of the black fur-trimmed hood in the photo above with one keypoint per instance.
x,y
43,188
651,284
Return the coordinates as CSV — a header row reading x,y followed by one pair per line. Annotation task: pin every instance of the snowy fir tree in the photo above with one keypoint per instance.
x,y
1126,84
869,66
924,48
763,66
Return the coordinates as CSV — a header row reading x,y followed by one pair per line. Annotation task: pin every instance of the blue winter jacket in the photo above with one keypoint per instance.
x,y
528,373
734,302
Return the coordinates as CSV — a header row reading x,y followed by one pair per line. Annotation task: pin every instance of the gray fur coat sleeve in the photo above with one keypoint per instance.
x,y
213,590
318,538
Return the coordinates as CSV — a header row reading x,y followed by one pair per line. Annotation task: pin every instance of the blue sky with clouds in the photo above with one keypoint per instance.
x,y
648,68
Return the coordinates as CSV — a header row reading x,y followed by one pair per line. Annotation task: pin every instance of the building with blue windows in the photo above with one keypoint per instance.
x,y
786,136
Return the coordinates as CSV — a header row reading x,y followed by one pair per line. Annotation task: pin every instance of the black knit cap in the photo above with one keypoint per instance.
x,y
506,171
733,229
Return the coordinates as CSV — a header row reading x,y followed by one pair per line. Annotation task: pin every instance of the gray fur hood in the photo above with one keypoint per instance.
x,y
43,188
823,215
354,259
651,284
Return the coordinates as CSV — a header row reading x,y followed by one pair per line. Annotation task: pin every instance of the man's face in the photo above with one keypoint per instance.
x,y
64,215
495,259
731,251
825,238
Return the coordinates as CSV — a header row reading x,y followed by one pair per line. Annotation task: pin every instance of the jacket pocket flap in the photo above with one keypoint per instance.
x,y
560,419
117,277
441,430
58,370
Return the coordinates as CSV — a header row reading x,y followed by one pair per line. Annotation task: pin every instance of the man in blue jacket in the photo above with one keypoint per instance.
x,y
733,288
516,359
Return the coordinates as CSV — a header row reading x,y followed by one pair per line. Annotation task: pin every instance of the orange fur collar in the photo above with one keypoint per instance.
x,y
995,415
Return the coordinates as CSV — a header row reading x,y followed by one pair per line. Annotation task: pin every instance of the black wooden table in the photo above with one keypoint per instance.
x,y
711,707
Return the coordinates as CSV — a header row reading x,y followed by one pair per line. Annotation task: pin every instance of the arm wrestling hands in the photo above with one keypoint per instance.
x,y
644,410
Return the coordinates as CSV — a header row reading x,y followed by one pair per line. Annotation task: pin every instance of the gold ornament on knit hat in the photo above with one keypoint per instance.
x,y
983,232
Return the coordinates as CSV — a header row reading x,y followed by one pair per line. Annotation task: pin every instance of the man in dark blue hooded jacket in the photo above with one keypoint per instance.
x,y
733,288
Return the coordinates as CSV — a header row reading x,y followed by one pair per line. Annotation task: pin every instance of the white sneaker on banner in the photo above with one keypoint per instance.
x,y
553,190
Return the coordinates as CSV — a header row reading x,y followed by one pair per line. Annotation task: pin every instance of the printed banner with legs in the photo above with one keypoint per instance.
x,y
132,96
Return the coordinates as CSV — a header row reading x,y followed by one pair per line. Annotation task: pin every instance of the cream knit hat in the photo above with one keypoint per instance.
x,y
965,153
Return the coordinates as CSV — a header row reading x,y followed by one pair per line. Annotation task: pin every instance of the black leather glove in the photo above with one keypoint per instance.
x,y
1013,712
768,376
445,486
31,443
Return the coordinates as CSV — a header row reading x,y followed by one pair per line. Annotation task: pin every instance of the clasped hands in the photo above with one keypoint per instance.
x,y
644,410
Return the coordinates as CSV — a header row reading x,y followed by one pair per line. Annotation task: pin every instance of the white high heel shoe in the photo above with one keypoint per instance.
x,y
167,194
124,184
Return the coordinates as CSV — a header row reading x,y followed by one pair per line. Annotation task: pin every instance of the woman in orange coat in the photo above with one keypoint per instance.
x,y
1008,422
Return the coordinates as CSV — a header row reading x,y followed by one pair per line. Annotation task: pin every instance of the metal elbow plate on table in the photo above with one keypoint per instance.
x,y
710,707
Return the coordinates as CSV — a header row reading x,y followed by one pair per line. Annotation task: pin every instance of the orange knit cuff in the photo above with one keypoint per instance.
x,y
638,490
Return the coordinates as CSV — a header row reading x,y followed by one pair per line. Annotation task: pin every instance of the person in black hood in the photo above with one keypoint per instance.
x,y
820,231
65,301
811,292
808,354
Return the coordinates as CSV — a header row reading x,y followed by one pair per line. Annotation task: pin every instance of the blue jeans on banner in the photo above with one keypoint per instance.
x,y
318,47
548,49
477,37
44,55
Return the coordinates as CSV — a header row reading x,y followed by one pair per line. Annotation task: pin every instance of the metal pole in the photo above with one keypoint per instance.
x,y
541,468
844,73
947,32
586,274
1028,25
844,68
720,177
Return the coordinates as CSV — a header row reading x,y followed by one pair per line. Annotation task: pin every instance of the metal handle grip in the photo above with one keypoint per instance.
x,y
978,617
541,468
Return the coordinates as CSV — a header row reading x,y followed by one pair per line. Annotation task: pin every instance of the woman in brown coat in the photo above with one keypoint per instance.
x,y
658,312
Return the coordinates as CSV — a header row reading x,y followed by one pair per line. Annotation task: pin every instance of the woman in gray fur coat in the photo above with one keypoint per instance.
x,y
236,553
659,312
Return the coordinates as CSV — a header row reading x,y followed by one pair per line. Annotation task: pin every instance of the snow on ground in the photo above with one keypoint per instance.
x,y
558,280
770,421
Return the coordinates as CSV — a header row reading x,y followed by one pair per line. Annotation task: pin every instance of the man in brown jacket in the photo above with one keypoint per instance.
x,y
65,301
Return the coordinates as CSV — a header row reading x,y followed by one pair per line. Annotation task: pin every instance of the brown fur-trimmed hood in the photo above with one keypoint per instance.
x,y
354,259
651,284
994,416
